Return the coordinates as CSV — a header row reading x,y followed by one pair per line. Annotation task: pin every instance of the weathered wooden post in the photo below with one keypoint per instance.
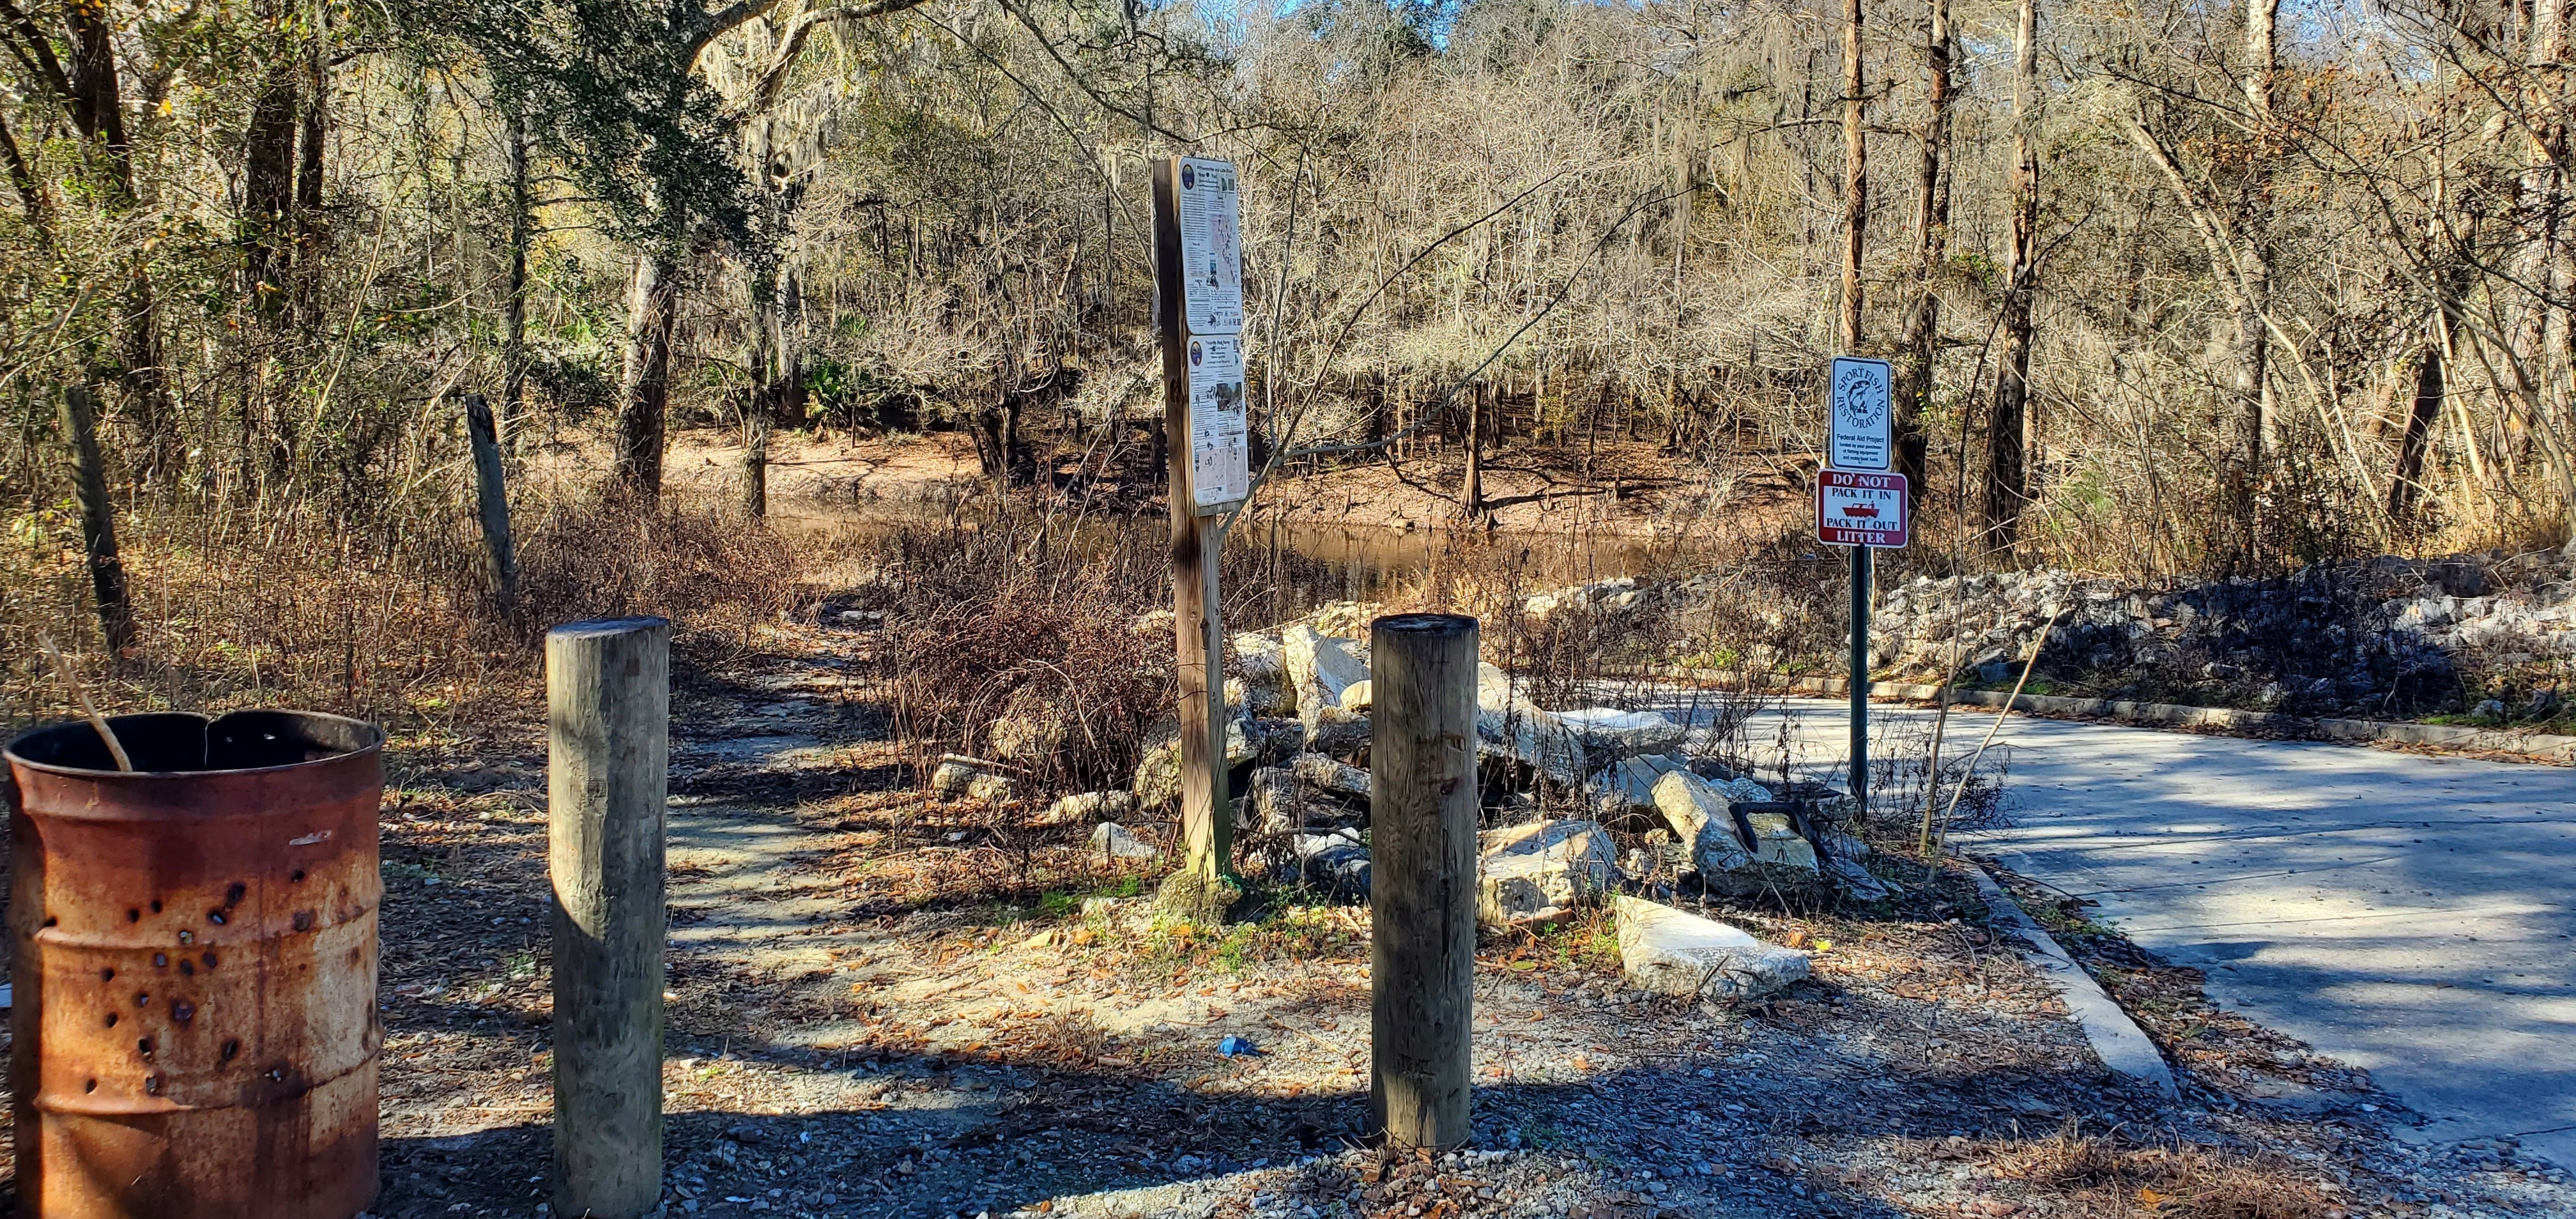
x,y
608,704
98,523
1198,312
492,504
1422,881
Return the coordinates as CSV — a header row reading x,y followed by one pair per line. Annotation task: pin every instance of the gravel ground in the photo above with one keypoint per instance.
x,y
886,1008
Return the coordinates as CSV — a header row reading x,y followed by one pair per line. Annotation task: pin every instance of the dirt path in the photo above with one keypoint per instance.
x,y
881,1007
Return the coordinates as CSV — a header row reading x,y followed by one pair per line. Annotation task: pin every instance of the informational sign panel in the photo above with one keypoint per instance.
x,y
1220,455
1859,426
1211,247
1856,508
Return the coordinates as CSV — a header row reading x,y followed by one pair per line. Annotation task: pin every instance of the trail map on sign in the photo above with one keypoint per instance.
x,y
1858,424
1220,473
1211,247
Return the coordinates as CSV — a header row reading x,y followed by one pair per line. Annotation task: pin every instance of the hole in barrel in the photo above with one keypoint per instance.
x,y
233,894
216,917
187,968
144,1047
209,959
156,905
230,1048
297,876
142,1000
107,975
111,1020
185,1012
160,960
133,916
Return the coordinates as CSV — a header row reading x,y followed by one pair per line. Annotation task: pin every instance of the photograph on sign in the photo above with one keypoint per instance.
x,y
1856,508
1220,450
1859,419
1211,247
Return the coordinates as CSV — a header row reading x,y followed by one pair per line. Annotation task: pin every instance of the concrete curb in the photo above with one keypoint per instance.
x,y
2528,746
2117,1040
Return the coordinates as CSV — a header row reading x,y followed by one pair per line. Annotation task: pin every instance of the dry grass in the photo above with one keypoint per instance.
x,y
390,619
2099,1177
1022,640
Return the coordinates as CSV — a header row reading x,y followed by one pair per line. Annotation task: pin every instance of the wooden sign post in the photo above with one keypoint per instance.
x,y
1198,313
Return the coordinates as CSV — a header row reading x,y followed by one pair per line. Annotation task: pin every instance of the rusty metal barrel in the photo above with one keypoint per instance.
x,y
195,1025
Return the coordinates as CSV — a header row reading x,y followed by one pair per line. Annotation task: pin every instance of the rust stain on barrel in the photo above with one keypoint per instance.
x,y
195,1016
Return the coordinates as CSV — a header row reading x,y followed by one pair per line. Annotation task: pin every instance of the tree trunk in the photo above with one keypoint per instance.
x,y
307,229
31,193
1919,358
644,412
778,369
2007,425
514,304
268,192
2542,264
2249,439
2431,386
1855,175
95,103
1471,489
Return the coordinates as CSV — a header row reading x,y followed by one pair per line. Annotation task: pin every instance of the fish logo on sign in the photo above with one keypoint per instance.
x,y
1858,410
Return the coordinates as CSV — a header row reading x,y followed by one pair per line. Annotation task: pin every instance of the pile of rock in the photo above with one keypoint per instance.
x,y
2365,635
1297,745
1297,756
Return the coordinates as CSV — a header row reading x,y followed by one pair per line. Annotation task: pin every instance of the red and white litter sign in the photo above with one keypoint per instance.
x,y
1858,508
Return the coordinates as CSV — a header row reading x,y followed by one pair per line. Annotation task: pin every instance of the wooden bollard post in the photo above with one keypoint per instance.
x,y
492,504
1422,876
608,705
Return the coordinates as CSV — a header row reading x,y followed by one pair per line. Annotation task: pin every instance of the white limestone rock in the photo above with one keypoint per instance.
x,y
1114,840
1703,821
1086,807
1626,788
1320,668
1609,733
1332,777
1777,843
1672,952
1542,870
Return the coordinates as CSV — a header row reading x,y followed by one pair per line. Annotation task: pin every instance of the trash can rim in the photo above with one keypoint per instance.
x,y
374,735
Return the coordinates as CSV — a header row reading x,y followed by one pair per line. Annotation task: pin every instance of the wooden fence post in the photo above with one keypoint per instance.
x,y
1422,881
98,523
492,504
608,704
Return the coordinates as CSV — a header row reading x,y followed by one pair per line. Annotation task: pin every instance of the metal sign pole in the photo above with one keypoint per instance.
x,y
1860,504
1860,572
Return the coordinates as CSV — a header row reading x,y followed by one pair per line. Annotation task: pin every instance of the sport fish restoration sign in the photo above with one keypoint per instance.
x,y
1858,508
1859,424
